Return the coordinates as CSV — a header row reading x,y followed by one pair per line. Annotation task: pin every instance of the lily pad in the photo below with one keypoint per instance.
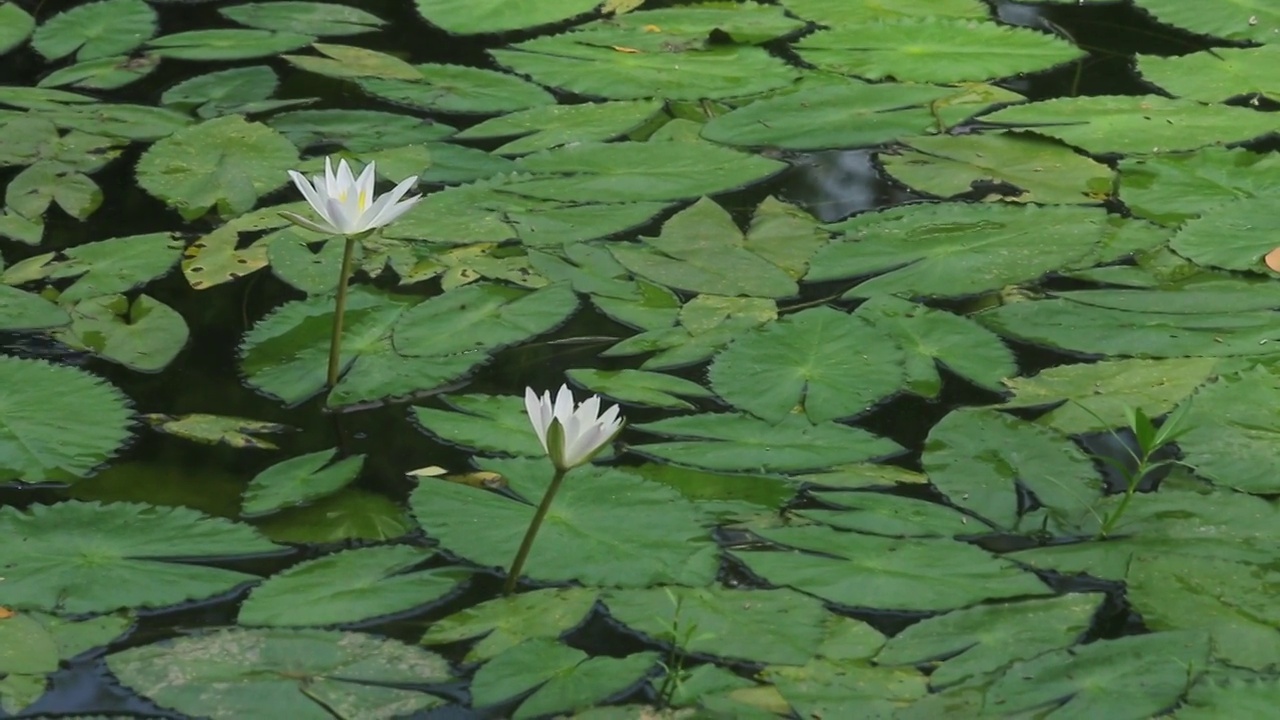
x,y
16,25
459,89
299,480
57,423
1227,236
586,536
466,17
1231,434
487,423
312,18
1170,188
1214,77
1240,19
227,44
76,557
144,335
502,623
934,50
566,678
346,587
549,126
839,12
303,674
216,429
96,30
27,311
886,573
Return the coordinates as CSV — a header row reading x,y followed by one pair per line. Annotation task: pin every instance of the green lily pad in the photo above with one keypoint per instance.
x,y
1092,397
1033,169
27,311
838,12
313,18
466,17
1229,599
1170,188
227,44
548,126
96,30
1231,434
487,423
57,423
1214,77
1128,678
346,587
1243,699
303,674
1255,20
346,61
504,622
1227,236
108,73
459,89
115,265
640,387
76,557
566,678
826,363
350,514
838,688
481,317
357,130
892,515
182,171
299,480
227,92
1128,124
933,337
977,457
144,335
739,442
586,536
216,429
16,25
1005,632
34,644
780,627
886,573
934,50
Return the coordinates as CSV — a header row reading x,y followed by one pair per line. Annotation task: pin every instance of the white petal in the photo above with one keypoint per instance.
x,y
299,220
588,410
563,409
390,214
338,212
384,210
534,407
314,199
330,180
610,417
364,187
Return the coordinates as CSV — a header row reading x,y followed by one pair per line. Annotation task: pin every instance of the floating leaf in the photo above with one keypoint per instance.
x,y
481,317
351,514
569,680
549,126
96,30
887,573
216,429
779,627
346,587
487,423
313,18
934,50
640,387
1009,166
885,514
701,250
504,622
143,335
1227,236
839,12
302,674
817,116
227,44
76,557
459,89
1210,699
586,536
299,480
1131,677
958,249
1216,76
107,73
1239,19
26,311
182,171
346,61
836,688
1229,599
34,644
1092,397
359,131
1170,188
16,25
932,337
467,17
1004,632
826,363
227,92
1128,124
57,423
1231,435
977,458
115,265
739,442
580,63
633,171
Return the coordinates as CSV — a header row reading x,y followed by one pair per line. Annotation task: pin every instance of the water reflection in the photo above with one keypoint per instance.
x,y
834,184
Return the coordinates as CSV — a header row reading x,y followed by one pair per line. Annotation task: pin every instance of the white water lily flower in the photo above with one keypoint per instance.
x,y
571,436
346,203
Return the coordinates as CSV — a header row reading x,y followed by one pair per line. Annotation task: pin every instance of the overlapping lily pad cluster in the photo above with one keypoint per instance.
x,y
618,173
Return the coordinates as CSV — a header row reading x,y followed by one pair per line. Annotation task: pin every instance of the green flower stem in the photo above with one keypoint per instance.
x,y
517,565
339,309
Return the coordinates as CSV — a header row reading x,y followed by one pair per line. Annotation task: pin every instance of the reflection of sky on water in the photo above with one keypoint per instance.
x,y
835,184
